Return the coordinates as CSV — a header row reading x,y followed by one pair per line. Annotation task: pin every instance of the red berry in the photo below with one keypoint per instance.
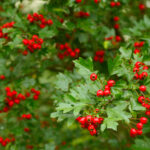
x,y
133,132
28,116
2,77
141,99
147,113
116,26
89,118
26,129
82,120
78,1
139,125
144,74
35,97
100,93
50,22
143,120
118,38
116,18
136,51
91,127
142,88
145,68
139,132
1,139
142,7
96,120
93,76
111,83
107,92
112,4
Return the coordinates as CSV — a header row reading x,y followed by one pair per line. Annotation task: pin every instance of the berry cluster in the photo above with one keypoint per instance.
x,y
117,38
33,44
95,1
36,94
107,89
99,56
116,19
90,123
12,98
140,66
6,141
82,14
138,46
7,25
39,20
26,116
134,132
114,4
66,50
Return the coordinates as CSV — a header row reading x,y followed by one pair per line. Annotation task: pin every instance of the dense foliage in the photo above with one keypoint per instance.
x,y
74,74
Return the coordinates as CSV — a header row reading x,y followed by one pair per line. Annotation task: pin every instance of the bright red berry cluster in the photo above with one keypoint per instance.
x,y
90,123
114,4
134,132
13,98
7,25
82,14
6,141
107,89
117,38
36,94
26,116
65,50
138,46
116,19
99,56
137,68
32,44
39,20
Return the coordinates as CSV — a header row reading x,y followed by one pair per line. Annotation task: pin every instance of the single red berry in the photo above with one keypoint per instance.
x,y
96,120
78,1
1,139
139,125
2,77
111,83
116,26
93,76
89,118
118,38
142,88
26,129
143,120
142,7
136,51
118,3
112,4
82,120
139,132
116,18
28,116
141,99
144,74
107,92
145,68
50,22
133,132
147,113
100,93
25,53
35,97
91,127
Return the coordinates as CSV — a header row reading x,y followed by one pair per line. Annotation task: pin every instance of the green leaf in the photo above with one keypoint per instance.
x,y
84,67
125,53
63,82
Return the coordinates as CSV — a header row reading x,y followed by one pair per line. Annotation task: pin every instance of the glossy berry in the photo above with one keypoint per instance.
x,y
139,125
78,1
93,76
107,92
142,88
100,93
91,127
143,120
89,118
111,83
141,99
133,132
139,132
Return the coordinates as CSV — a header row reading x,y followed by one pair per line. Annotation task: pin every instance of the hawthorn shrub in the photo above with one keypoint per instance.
x,y
74,74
